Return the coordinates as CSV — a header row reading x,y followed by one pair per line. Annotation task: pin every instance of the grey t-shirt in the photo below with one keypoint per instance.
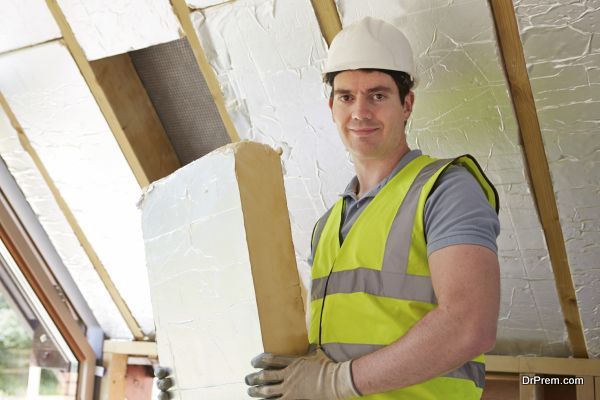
x,y
456,212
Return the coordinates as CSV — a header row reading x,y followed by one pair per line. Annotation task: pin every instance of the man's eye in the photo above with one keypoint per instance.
x,y
344,98
378,96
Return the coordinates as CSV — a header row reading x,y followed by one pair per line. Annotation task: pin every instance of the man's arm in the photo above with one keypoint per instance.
x,y
466,281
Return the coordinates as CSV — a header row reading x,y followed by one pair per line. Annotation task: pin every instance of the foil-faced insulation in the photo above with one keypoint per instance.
x,y
562,51
53,221
61,118
463,106
181,98
268,57
105,28
17,18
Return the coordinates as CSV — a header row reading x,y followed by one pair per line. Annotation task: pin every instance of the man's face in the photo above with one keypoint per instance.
x,y
369,116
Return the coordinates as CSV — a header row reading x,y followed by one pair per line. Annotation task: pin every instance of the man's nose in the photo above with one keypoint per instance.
x,y
361,109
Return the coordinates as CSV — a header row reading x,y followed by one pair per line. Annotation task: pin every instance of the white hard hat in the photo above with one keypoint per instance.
x,y
371,43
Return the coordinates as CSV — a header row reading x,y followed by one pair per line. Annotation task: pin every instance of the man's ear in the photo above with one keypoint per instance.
x,y
409,100
330,102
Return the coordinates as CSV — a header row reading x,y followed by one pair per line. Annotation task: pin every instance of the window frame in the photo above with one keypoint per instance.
x,y
35,269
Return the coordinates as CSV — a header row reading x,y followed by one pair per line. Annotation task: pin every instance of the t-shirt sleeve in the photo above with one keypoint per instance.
x,y
458,212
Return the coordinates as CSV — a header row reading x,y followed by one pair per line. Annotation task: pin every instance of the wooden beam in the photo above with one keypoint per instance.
x,y
184,15
328,17
530,392
535,159
586,391
543,365
64,207
131,348
113,381
126,108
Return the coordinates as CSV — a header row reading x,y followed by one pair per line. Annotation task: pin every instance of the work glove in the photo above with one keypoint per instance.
x,y
164,382
309,377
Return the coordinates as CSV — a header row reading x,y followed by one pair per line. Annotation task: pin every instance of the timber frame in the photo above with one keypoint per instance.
x,y
540,181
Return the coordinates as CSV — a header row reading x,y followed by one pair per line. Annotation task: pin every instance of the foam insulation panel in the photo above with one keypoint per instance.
x,y
39,197
61,118
220,255
268,57
181,98
463,106
562,51
105,28
17,18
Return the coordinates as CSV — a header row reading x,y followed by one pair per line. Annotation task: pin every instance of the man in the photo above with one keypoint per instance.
x,y
405,276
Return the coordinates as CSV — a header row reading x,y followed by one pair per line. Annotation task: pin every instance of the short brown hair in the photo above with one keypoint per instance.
x,y
402,79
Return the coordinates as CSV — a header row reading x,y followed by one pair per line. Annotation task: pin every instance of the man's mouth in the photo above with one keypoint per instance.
x,y
363,131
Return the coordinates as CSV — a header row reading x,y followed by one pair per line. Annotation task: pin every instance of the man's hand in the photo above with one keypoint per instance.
x,y
164,382
310,377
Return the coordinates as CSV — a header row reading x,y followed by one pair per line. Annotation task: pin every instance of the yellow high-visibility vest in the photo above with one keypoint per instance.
x,y
368,292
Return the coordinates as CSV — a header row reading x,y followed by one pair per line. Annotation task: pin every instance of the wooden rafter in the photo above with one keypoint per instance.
x,y
328,17
537,165
85,244
126,107
184,15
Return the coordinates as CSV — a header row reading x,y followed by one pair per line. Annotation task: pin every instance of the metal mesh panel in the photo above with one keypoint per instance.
x,y
181,98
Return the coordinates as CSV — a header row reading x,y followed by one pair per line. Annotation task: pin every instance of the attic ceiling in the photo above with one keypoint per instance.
x,y
267,56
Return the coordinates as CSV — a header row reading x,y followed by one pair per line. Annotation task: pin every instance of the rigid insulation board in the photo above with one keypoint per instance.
x,y
222,269
105,28
462,105
562,51
61,118
51,218
16,19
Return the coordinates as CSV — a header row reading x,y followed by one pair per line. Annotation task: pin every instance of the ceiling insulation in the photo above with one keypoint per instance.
x,y
53,104
106,28
562,51
17,18
181,98
274,95
463,106
39,197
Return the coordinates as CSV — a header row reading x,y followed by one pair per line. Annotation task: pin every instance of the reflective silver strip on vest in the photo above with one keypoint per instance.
x,y
397,247
392,281
340,352
378,283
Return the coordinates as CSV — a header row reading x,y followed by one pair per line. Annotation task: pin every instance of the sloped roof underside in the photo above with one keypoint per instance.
x,y
562,51
69,133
